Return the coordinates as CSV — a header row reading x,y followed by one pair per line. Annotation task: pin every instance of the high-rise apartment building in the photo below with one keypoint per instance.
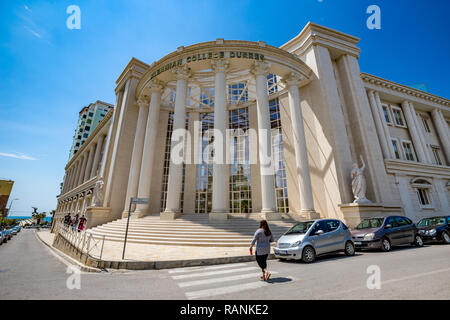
x,y
88,119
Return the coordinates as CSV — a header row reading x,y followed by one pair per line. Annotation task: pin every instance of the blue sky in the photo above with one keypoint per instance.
x,y
48,72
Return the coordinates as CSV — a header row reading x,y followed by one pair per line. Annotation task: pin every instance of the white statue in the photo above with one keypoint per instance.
x,y
97,197
359,183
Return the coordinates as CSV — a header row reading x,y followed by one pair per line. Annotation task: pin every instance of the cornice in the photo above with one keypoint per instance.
x,y
90,138
383,83
417,169
134,69
315,34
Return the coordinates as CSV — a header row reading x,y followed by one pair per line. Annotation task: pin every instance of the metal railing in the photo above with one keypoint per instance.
x,y
84,241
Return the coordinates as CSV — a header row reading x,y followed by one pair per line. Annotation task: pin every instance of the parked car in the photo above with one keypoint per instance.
x,y
3,237
435,229
386,232
8,234
309,239
14,230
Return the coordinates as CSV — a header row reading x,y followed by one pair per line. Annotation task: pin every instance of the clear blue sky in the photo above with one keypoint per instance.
x,y
49,72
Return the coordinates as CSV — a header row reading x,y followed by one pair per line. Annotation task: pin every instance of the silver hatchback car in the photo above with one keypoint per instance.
x,y
308,239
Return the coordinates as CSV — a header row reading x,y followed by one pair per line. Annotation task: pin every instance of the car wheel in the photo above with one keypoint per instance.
x,y
385,245
418,242
308,254
446,237
349,248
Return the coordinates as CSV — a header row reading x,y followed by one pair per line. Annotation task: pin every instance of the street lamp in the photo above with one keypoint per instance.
x,y
10,204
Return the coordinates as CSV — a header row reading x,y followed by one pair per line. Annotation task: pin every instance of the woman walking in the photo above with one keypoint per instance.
x,y
263,237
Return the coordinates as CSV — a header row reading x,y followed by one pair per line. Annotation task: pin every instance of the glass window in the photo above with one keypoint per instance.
x,y
435,221
332,225
401,221
91,114
396,149
370,223
320,225
398,117
409,152
386,114
301,227
392,222
423,196
436,154
237,93
272,83
425,123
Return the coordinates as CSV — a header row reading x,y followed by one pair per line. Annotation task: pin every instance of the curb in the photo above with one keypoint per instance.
x,y
105,265
68,259
170,264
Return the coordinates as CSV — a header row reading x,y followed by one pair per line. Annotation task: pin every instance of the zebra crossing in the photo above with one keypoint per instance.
x,y
202,282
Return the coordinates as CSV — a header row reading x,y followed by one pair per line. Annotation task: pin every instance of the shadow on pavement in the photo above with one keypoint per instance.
x,y
279,280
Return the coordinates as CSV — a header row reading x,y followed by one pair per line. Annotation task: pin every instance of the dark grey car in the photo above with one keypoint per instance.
x,y
386,232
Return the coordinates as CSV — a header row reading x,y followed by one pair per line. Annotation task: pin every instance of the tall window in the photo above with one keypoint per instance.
x,y
278,157
203,193
396,148
425,123
272,83
206,98
409,150
167,165
237,93
436,154
240,177
386,114
398,117
424,197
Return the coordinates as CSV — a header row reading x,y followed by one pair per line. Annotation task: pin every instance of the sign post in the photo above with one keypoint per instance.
x,y
132,201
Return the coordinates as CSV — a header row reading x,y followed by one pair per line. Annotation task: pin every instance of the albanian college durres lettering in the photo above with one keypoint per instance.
x,y
208,56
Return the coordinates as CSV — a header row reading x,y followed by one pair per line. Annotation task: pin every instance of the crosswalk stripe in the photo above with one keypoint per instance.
x,y
193,269
217,280
226,290
212,273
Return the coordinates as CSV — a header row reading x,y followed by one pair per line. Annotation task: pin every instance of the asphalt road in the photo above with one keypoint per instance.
x,y
29,270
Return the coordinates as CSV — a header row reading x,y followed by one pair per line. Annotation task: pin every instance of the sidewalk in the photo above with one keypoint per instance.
x,y
175,256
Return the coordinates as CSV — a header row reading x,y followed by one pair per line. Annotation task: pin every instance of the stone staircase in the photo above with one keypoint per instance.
x,y
188,230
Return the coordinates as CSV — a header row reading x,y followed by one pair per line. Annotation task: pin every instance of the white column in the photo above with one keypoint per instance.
x,y
67,180
148,155
260,71
442,129
76,171
98,150
384,124
421,132
83,167
136,157
89,164
176,169
219,183
384,143
414,132
301,154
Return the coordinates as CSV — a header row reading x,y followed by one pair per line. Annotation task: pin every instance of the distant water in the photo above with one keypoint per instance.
x,y
47,219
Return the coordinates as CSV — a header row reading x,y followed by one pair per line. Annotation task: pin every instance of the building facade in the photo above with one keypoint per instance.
x,y
88,119
292,125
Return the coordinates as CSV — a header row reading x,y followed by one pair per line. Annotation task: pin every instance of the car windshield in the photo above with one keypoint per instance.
x,y
301,227
436,221
370,223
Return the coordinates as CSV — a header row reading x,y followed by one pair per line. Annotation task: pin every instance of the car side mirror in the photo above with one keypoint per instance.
x,y
319,232
388,226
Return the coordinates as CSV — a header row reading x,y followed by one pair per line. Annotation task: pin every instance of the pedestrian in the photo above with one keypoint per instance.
x,y
67,219
75,222
263,237
82,222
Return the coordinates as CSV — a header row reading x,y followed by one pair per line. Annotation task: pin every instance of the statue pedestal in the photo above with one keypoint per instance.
x,y
96,216
355,212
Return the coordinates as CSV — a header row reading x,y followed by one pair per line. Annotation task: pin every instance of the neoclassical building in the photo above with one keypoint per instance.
x,y
306,107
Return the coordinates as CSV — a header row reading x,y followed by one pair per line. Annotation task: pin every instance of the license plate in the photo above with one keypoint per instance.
x,y
284,252
358,243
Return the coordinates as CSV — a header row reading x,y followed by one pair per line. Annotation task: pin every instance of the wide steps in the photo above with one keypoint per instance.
x,y
187,231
